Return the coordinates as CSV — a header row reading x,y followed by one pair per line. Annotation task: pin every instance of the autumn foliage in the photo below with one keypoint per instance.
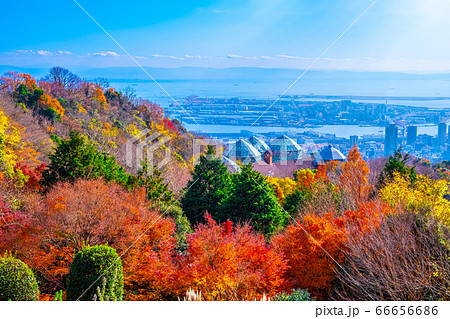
x,y
307,178
339,231
354,176
312,247
150,269
316,245
226,262
47,102
69,217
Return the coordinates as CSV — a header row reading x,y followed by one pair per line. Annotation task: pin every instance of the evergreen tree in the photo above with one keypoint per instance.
x,y
253,199
396,163
298,200
77,157
209,186
157,191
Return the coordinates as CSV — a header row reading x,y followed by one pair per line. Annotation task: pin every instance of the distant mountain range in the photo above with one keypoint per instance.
x,y
134,74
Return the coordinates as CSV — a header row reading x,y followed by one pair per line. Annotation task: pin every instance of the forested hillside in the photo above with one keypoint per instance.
x,y
77,223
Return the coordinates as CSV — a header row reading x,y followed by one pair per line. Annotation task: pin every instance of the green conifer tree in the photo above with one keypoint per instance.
x,y
396,163
77,157
209,186
252,199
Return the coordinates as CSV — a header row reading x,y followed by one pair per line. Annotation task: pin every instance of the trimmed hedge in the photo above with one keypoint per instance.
x,y
89,267
17,281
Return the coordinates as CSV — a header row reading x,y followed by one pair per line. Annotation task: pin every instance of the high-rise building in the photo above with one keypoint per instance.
x,y
447,153
411,135
346,104
353,140
442,133
390,139
426,139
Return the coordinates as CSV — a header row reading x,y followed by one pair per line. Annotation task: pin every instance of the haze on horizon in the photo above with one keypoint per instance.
x,y
401,35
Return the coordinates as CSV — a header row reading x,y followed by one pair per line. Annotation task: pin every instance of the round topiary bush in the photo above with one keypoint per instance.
x,y
90,268
17,281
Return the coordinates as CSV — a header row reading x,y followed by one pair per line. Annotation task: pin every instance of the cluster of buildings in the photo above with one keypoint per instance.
x,y
279,157
435,148
300,116
305,111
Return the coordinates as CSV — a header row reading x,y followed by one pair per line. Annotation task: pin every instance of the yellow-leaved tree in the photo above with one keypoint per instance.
x,y
425,196
9,142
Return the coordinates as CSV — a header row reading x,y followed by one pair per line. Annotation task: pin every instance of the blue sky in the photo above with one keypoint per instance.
x,y
395,35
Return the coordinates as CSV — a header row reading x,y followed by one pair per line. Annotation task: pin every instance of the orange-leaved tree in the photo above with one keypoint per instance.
x,y
226,262
100,97
366,218
47,102
11,80
309,178
316,245
312,247
150,270
354,176
56,225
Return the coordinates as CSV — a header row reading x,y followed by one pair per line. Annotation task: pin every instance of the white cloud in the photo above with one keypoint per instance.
x,y
236,56
185,57
192,56
64,52
43,52
174,57
40,52
291,57
23,51
266,57
105,53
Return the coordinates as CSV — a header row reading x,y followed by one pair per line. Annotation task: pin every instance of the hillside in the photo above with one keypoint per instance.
x,y
81,220
61,102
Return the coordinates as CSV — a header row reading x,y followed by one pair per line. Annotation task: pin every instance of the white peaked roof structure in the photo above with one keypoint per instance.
x,y
284,143
231,165
329,153
285,148
259,144
244,152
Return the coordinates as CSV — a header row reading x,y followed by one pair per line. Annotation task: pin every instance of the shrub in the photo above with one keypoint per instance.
x,y
405,258
295,295
183,227
426,196
227,262
312,247
315,245
89,266
17,281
